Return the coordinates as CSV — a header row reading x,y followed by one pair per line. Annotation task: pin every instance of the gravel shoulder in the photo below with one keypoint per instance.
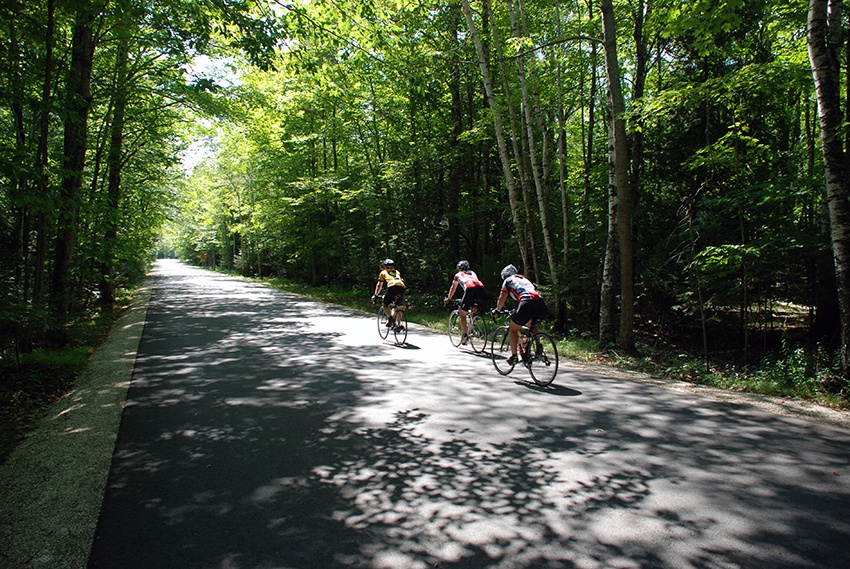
x,y
53,483
777,405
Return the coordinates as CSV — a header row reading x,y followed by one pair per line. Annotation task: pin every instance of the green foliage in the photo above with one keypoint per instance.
x,y
339,133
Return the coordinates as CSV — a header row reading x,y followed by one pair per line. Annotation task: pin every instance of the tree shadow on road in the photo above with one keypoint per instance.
x,y
255,437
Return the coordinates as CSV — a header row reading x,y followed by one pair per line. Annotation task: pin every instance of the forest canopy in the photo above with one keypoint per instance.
x,y
654,165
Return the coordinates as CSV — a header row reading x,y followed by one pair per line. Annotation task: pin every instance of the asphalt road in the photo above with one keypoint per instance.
x,y
265,430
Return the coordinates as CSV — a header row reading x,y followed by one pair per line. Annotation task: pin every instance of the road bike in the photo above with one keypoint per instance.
x,y
476,328
396,323
537,352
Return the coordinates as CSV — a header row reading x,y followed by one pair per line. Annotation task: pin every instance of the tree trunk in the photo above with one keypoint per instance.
x,y
561,142
115,160
78,84
457,163
608,285
532,156
618,156
825,39
497,124
528,256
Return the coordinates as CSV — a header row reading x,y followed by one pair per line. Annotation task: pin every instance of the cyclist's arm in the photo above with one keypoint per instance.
x,y
503,296
452,289
378,287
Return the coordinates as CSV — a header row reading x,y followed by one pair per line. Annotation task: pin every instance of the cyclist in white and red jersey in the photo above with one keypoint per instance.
x,y
532,308
473,292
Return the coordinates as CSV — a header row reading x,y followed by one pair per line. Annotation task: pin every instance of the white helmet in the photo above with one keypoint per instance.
x,y
508,271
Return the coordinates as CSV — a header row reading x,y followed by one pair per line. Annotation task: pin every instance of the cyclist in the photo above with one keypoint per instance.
x,y
531,310
473,292
395,290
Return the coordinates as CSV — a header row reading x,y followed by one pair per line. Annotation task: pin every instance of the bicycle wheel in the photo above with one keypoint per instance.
x,y
500,350
543,360
454,328
478,334
400,330
383,320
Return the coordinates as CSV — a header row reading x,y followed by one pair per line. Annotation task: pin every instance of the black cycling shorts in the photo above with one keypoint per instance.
x,y
530,311
394,294
471,296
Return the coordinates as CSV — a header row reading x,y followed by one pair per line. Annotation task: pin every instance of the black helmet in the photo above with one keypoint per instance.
x,y
463,266
389,263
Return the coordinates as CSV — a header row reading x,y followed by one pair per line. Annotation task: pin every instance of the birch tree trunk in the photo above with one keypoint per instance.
x,y
500,134
825,39
530,255
530,121
619,183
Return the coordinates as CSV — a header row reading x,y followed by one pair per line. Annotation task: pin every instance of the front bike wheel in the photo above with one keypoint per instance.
x,y
500,350
543,359
478,334
383,321
454,328
400,330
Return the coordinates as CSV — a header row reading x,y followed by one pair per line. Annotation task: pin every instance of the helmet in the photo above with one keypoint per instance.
x,y
463,266
508,271
389,263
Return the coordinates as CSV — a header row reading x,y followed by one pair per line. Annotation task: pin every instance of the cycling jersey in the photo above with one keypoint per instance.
x,y
520,289
468,279
392,277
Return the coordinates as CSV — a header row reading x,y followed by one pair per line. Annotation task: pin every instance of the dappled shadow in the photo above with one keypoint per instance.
x,y
262,430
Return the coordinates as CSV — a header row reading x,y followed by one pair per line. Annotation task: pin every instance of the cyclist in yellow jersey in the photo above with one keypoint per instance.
x,y
395,289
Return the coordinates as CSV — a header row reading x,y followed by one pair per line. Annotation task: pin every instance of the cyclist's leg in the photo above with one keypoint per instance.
x,y
463,310
519,319
399,310
513,331
394,296
400,330
388,299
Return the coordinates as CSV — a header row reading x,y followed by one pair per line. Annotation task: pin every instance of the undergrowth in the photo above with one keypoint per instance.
x,y
48,373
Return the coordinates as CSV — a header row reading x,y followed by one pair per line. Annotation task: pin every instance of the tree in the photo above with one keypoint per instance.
x,y
78,86
826,38
510,181
620,201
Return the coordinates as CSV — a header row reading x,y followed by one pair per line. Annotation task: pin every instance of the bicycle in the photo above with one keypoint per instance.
x,y
396,322
476,328
541,361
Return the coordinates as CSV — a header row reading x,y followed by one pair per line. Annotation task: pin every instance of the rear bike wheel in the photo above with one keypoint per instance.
x,y
454,328
500,350
543,359
478,334
383,320
400,330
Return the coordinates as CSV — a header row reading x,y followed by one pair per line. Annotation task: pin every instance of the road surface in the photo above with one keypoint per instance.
x,y
265,430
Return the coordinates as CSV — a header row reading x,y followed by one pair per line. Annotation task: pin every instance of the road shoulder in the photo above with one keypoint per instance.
x,y
778,405
52,484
